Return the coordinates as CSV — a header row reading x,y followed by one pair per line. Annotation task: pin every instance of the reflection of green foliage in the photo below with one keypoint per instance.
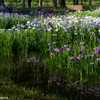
x,y
73,84
13,92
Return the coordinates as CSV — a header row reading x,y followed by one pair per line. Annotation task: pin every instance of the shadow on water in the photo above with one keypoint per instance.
x,y
31,72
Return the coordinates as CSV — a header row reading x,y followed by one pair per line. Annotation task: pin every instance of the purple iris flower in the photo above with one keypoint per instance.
x,y
62,19
49,44
25,51
45,29
72,62
96,95
54,42
79,58
62,49
82,92
52,54
92,38
91,32
98,39
89,56
77,41
49,24
82,43
74,50
49,50
69,45
65,80
83,49
72,57
98,59
58,83
55,32
97,50
63,36
81,33
80,55
92,55
50,80
66,46
38,30
89,29
58,50
92,63
76,27
69,49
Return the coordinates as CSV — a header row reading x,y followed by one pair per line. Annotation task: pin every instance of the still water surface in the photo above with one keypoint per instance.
x,y
31,72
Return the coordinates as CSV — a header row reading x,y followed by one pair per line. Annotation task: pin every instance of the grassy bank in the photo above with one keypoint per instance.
x,y
29,34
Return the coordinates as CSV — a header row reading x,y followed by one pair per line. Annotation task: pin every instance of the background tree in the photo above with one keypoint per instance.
x,y
40,2
29,3
55,3
1,1
81,2
74,2
90,4
59,1
23,4
62,3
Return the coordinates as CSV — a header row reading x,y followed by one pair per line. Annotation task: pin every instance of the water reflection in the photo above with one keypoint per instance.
x,y
31,72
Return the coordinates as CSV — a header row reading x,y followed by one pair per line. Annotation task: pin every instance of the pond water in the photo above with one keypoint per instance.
x,y
31,72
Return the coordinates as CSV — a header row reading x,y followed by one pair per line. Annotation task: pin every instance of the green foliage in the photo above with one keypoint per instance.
x,y
19,3
62,11
27,10
14,3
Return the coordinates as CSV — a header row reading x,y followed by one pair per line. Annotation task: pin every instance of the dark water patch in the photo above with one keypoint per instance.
x,y
29,71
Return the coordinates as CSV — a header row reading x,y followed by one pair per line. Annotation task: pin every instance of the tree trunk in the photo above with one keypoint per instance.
x,y
40,2
29,3
23,5
81,2
1,1
59,1
62,3
55,3
73,2
76,2
90,4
